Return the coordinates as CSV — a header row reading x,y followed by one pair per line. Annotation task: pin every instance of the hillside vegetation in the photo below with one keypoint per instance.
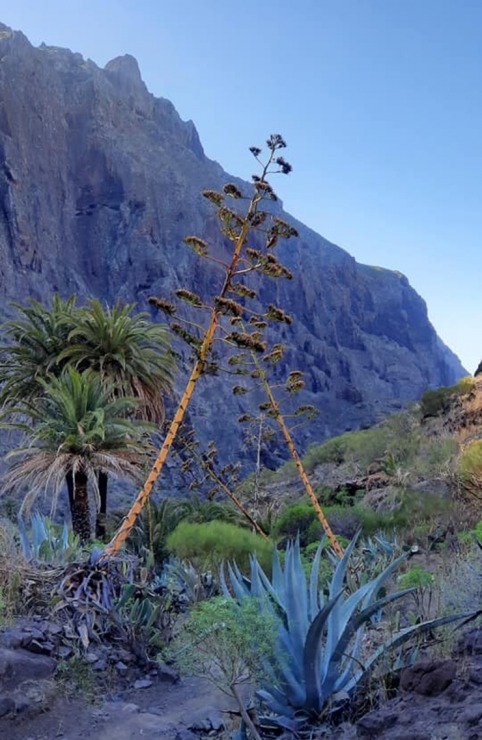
x,y
415,471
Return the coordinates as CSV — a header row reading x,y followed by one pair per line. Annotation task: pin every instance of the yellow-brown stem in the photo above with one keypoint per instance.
x,y
126,527
300,467
244,713
238,503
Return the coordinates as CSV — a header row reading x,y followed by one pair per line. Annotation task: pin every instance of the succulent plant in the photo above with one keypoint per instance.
x,y
47,542
319,638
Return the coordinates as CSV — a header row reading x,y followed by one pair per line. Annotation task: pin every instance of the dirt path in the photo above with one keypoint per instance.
x,y
160,711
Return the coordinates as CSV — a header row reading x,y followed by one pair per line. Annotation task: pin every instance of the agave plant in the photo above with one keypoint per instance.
x,y
48,542
319,638
182,584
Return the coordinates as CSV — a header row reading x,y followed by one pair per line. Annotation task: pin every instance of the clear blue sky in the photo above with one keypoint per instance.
x,y
380,102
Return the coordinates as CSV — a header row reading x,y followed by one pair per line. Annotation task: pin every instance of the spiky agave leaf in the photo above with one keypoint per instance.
x,y
319,640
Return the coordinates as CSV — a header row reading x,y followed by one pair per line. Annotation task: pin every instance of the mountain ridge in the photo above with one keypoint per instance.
x,y
100,181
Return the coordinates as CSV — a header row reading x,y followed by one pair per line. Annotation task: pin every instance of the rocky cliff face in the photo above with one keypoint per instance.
x,y
100,182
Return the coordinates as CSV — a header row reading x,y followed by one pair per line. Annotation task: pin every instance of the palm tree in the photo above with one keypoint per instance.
x,y
78,430
130,353
33,344
131,356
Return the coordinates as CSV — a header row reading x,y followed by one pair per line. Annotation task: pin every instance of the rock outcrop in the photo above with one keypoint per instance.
x,y
100,182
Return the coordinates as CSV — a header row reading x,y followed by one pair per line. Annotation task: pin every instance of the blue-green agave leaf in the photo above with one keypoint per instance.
x,y
312,656
402,636
316,599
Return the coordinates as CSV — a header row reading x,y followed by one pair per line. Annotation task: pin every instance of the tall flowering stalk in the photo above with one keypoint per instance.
x,y
230,310
273,407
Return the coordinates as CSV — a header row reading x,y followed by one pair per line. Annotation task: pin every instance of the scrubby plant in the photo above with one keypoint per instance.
x,y
208,544
437,457
458,583
396,439
470,469
421,581
344,496
228,644
76,676
332,451
299,520
359,448
439,400
13,573
320,637
285,471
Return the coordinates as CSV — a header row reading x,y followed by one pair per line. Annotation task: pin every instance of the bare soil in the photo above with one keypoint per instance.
x,y
162,710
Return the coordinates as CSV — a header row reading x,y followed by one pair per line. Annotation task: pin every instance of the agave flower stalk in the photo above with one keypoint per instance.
x,y
225,489
239,239
294,382
278,416
300,467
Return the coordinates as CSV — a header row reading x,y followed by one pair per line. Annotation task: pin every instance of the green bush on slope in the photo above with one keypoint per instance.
x,y
208,544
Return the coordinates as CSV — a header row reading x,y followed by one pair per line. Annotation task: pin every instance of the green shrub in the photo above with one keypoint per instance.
x,y
225,643
415,577
468,537
330,497
299,519
409,509
287,470
402,436
437,456
229,645
344,520
470,464
208,544
366,446
421,580
332,451
438,401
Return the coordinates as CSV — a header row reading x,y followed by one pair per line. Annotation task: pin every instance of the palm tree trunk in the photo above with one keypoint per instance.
x,y
100,522
69,479
80,507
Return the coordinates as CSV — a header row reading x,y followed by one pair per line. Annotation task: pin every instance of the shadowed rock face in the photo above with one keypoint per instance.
x,y
99,183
